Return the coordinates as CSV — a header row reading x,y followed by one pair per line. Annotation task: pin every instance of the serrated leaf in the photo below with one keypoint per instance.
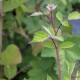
x,y
49,78
11,4
10,71
48,31
48,44
40,36
11,55
71,68
37,14
67,78
48,52
66,45
65,23
67,30
74,15
38,71
60,38
26,8
37,48
59,16
65,58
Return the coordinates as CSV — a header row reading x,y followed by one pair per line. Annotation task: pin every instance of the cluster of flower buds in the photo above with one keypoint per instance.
x,y
51,7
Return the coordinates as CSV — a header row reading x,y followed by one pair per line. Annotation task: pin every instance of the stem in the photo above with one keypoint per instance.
x,y
56,46
76,77
58,60
59,28
51,21
37,9
0,26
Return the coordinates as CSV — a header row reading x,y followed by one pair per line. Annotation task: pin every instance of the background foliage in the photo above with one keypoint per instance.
x,y
20,60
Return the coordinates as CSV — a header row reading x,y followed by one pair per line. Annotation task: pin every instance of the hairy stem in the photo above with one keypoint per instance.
x,y
76,77
58,28
0,26
58,60
56,45
51,21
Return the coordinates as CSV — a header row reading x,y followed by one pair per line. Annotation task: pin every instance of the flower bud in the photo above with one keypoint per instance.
x,y
51,7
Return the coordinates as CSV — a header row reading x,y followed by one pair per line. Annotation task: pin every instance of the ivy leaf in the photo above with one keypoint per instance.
x,y
11,55
74,15
10,71
66,45
40,36
11,4
59,16
65,23
67,78
48,44
60,38
37,14
49,78
71,68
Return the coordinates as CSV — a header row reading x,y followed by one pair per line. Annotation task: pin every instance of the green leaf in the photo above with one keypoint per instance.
x,y
48,52
37,14
67,78
49,78
48,44
11,55
71,68
74,15
10,71
40,36
66,44
59,16
24,79
27,9
67,30
60,38
11,4
38,71
48,31
65,23
65,58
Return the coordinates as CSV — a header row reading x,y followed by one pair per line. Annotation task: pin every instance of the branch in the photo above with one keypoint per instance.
x,y
76,77
58,28
21,71
51,21
37,9
0,26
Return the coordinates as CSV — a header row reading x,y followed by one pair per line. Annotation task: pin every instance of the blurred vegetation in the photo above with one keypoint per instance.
x,y
33,61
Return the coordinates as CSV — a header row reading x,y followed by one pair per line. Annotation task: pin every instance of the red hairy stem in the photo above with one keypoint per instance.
x,y
51,21
58,28
0,26
76,77
58,60
56,45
